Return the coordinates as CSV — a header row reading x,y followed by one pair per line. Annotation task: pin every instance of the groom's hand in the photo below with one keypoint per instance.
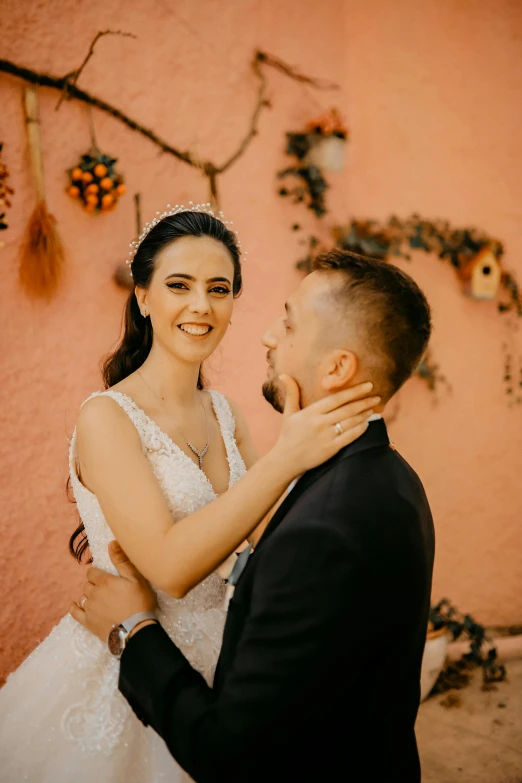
x,y
108,600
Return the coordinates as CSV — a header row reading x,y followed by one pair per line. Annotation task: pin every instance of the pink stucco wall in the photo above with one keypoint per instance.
x,y
432,93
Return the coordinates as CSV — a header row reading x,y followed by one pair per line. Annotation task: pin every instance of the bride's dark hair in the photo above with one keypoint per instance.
x,y
136,342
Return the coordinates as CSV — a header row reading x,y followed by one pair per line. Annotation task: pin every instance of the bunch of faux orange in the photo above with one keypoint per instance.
x,y
95,183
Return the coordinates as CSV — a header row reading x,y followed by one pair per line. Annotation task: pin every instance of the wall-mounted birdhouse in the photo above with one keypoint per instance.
x,y
481,274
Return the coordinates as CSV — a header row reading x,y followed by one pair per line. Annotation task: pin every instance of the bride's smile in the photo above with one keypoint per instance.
x,y
196,330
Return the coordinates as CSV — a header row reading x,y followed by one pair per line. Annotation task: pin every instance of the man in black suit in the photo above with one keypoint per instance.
x,y
318,677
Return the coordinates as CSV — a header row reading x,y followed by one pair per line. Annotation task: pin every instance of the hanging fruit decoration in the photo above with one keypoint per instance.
x,y
95,183
5,193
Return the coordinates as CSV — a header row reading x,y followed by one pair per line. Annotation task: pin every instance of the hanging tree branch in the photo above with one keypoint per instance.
x,y
260,104
59,83
72,78
293,73
68,87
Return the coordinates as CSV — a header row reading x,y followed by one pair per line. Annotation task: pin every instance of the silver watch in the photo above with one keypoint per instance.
x,y
120,633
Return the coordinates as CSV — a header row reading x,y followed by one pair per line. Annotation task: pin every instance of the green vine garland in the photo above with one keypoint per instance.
x,y
397,237
459,246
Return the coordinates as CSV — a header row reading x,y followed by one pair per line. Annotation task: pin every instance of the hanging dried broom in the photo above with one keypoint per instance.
x,y
42,253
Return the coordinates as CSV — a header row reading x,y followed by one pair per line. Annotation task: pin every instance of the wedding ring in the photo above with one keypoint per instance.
x,y
82,601
338,429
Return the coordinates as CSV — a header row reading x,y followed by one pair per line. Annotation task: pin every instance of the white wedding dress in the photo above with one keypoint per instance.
x,y
62,718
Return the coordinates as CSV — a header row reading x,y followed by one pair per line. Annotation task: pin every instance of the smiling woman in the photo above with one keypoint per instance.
x,y
137,339
163,271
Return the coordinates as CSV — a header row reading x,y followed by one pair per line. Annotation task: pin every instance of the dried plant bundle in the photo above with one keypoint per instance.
x,y
42,253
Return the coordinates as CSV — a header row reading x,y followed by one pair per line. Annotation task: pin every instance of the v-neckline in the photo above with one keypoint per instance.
x,y
174,446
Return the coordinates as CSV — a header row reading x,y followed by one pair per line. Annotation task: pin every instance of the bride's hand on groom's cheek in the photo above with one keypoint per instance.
x,y
311,435
108,600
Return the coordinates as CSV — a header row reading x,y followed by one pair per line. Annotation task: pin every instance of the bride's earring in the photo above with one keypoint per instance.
x,y
145,312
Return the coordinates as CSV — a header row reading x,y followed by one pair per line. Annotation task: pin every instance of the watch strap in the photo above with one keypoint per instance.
x,y
132,621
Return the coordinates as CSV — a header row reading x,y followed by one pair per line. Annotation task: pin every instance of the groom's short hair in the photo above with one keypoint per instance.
x,y
388,305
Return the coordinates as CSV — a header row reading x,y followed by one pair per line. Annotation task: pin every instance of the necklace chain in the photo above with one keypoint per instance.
x,y
199,454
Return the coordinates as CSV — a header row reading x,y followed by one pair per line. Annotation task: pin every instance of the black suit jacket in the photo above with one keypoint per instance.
x,y
318,677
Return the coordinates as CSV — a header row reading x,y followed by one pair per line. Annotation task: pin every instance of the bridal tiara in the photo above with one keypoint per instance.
x,y
170,212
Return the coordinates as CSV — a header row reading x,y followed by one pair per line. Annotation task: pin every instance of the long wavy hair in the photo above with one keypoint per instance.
x,y
136,342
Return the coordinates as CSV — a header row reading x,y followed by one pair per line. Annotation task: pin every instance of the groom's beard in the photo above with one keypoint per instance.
x,y
273,395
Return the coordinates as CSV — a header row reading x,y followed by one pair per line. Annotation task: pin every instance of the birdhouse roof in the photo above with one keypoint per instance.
x,y
485,255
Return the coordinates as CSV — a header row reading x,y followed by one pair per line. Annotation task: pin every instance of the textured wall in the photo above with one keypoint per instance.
x,y
434,96
187,76
433,100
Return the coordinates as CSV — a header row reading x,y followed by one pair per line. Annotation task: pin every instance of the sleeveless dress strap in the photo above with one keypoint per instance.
x,y
135,414
147,432
224,413
227,424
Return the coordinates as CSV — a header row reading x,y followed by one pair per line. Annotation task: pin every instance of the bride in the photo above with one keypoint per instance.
x,y
159,463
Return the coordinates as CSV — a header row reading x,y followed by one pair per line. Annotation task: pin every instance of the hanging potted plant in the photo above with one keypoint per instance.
x,y
321,147
327,137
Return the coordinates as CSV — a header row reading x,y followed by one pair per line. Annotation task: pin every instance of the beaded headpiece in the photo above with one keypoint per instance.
x,y
170,212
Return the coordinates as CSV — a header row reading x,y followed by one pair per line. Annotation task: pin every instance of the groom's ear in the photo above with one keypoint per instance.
x,y
340,370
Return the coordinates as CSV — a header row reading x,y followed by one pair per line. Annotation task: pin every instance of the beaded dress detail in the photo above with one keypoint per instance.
x,y
62,717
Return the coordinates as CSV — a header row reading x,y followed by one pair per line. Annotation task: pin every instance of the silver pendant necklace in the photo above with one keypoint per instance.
x,y
199,454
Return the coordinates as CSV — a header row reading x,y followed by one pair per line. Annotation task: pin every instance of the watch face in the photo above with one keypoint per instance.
x,y
116,640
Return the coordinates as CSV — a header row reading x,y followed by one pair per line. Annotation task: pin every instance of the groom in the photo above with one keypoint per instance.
x,y
318,677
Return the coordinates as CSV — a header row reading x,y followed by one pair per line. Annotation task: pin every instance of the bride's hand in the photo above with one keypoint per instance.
x,y
308,437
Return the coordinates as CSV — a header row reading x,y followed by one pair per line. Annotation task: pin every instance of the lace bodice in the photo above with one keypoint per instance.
x,y
186,489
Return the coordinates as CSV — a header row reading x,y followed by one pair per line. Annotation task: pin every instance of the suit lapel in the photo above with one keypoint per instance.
x,y
375,436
